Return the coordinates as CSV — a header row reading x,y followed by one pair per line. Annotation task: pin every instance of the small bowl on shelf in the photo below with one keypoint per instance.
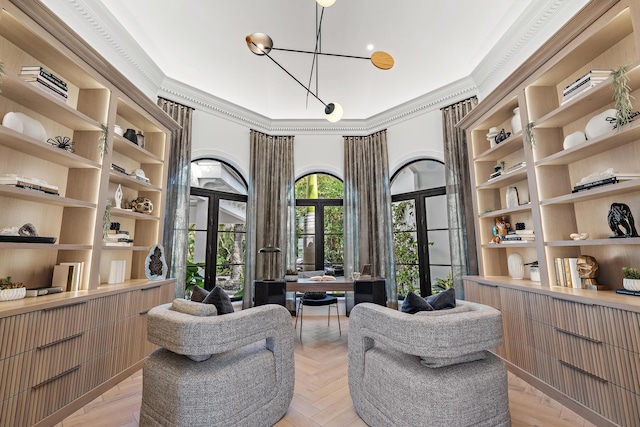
x,y
13,294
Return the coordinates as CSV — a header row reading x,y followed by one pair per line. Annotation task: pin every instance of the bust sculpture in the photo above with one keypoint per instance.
x,y
588,270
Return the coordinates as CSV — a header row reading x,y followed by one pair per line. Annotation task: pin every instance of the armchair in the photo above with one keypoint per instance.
x,y
235,369
429,368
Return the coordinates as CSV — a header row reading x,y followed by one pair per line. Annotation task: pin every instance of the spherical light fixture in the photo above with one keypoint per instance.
x,y
326,3
259,43
333,112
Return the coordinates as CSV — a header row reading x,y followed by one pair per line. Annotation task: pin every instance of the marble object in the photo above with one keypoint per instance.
x,y
600,124
574,139
515,263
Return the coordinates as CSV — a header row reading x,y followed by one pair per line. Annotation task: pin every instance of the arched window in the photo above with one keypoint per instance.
x,y
319,224
420,226
217,227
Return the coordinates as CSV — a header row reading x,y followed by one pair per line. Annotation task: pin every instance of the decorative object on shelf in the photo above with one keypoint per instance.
x,y
516,124
117,129
498,169
118,197
600,124
512,197
530,136
29,183
631,279
142,205
118,168
117,271
520,226
605,177
588,270
491,136
622,97
139,175
261,44
515,264
155,265
10,290
103,142
140,139
500,229
106,221
534,271
28,230
24,124
501,136
621,221
130,134
62,142
579,236
573,139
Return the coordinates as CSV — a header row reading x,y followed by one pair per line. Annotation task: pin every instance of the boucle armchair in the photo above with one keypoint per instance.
x,y
228,370
427,369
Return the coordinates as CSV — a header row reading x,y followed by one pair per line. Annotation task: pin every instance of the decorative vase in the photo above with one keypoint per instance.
x,y
631,284
290,277
140,139
573,139
13,294
130,134
534,273
600,124
515,264
516,123
118,130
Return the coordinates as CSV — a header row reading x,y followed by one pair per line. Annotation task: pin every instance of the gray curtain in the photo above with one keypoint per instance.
x,y
368,236
176,222
270,209
462,238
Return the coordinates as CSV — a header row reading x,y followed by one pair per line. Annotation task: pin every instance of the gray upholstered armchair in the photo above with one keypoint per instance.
x,y
235,369
429,368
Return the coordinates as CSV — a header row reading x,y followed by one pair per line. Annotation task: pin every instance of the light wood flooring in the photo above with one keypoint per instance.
x,y
321,396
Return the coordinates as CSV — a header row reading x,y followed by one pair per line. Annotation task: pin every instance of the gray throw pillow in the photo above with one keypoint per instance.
x,y
220,299
198,294
194,308
414,303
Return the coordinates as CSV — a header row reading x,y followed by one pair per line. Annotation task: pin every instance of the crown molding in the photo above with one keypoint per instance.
x,y
198,99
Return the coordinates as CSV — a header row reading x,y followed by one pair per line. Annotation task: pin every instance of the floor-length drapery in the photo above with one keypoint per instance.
x,y
176,222
270,209
368,232
459,205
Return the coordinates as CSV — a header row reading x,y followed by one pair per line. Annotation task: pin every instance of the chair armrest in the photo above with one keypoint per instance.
x,y
193,335
446,336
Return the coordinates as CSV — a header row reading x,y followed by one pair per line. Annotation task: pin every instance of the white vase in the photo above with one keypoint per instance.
x,y
599,125
516,124
515,264
12,294
631,284
573,139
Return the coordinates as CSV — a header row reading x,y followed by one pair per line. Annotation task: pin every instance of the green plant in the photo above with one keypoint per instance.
x,y
7,283
630,273
193,276
106,221
442,284
531,138
103,143
622,96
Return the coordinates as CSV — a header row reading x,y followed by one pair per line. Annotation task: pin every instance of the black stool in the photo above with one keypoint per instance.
x,y
316,299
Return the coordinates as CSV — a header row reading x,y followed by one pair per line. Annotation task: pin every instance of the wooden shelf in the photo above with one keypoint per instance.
x,y
594,193
126,248
131,182
508,245
126,213
506,211
504,180
594,242
45,246
133,151
40,197
506,147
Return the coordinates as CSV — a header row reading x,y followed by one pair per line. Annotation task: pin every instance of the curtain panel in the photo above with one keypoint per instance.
x,y
270,209
368,233
462,240
176,222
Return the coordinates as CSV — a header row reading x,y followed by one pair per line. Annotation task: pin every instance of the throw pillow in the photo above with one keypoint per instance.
x,y
414,303
443,300
194,308
220,299
198,294
459,309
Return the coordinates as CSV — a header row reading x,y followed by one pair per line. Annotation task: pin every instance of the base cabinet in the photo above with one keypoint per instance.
x,y
53,355
586,350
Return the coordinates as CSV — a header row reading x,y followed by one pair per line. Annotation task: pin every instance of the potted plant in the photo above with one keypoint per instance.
x,y
10,290
631,278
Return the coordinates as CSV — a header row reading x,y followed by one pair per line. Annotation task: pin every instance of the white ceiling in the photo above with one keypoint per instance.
x,y
202,44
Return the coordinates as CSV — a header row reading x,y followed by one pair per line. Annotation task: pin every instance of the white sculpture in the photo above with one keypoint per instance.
x,y
118,197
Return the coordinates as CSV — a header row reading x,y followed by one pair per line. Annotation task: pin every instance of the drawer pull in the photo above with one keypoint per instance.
x,y
582,371
64,306
152,287
60,341
573,334
490,285
60,375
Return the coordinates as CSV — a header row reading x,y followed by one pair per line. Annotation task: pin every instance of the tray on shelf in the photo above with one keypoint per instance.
x,y
27,239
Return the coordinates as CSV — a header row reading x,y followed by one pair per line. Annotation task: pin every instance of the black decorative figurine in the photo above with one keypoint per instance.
x,y
621,221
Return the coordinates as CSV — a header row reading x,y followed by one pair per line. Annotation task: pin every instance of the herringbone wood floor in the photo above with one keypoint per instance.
x,y
321,396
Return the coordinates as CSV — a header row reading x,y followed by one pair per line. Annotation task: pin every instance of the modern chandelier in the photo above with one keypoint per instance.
x,y
261,44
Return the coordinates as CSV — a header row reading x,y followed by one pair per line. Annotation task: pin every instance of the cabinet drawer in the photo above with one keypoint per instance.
x,y
583,353
624,368
623,328
482,293
14,411
12,374
581,319
48,396
17,334
62,322
51,360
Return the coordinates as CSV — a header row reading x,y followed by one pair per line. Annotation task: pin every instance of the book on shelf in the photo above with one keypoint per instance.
x,y
46,80
525,232
48,89
44,291
495,175
566,271
585,78
628,292
28,183
36,70
516,167
117,271
74,275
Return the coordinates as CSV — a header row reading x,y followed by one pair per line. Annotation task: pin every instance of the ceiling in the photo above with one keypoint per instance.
x,y
202,44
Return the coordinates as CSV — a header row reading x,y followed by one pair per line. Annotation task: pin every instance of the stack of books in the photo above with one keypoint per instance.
x,y
605,180
584,83
567,275
43,79
526,235
118,238
68,276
